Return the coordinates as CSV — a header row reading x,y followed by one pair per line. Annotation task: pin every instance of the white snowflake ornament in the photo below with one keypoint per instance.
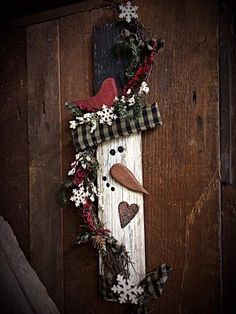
x,y
128,291
128,11
106,115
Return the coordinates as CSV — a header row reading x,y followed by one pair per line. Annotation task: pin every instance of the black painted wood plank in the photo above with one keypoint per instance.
x,y
107,63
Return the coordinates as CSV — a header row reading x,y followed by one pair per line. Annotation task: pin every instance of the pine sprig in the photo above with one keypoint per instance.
x,y
73,108
95,166
130,44
63,191
121,109
125,111
137,108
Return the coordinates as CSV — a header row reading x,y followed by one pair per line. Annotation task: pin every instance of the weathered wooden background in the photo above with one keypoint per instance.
x,y
44,64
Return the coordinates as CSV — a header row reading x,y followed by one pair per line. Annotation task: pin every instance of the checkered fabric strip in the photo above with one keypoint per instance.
x,y
154,282
115,245
83,238
82,138
105,288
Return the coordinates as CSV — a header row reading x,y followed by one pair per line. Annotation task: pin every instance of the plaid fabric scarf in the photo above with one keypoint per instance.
x,y
83,139
152,285
154,282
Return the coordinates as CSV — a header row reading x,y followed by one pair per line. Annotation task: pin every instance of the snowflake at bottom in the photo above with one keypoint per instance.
x,y
127,290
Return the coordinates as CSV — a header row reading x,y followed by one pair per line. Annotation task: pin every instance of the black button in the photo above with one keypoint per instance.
x,y
108,184
112,152
120,149
112,188
104,178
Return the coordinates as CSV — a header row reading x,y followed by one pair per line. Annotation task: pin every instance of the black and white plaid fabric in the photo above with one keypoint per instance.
x,y
83,139
154,282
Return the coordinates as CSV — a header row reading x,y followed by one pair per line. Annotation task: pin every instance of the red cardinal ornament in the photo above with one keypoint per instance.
x,y
106,95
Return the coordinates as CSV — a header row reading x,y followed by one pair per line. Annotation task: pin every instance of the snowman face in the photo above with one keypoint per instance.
x,y
122,205
125,151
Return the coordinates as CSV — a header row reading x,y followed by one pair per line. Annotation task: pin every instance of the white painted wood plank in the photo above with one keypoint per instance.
x,y
132,236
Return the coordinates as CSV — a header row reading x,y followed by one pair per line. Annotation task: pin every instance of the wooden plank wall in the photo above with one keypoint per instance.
x,y
14,204
183,212
44,117
180,160
228,149
80,263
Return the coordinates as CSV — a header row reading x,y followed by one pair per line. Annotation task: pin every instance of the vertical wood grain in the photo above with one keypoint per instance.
x,y
182,213
14,205
181,159
45,155
80,263
228,156
132,236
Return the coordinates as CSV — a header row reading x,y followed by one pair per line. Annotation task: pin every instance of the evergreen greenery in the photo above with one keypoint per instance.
x,y
73,108
64,190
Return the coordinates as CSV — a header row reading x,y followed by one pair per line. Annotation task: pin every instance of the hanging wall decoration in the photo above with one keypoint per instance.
x,y
105,179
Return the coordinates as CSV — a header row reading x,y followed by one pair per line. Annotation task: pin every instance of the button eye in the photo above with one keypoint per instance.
x,y
120,149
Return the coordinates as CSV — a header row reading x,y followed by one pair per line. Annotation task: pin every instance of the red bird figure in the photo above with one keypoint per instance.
x,y
106,95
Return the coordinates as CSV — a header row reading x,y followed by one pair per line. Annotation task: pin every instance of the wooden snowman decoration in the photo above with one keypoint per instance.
x,y
111,122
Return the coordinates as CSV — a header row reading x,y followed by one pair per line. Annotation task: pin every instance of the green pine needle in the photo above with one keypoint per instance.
x,y
62,193
73,108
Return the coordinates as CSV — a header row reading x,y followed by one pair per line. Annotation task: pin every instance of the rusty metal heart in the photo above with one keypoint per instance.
x,y
127,213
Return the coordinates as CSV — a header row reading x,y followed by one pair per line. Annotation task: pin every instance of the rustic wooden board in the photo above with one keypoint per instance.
x,y
14,135
45,155
80,263
132,236
228,150
20,288
181,159
105,62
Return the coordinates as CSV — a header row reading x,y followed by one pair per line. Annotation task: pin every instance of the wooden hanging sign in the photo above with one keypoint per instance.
x,y
108,155
110,121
